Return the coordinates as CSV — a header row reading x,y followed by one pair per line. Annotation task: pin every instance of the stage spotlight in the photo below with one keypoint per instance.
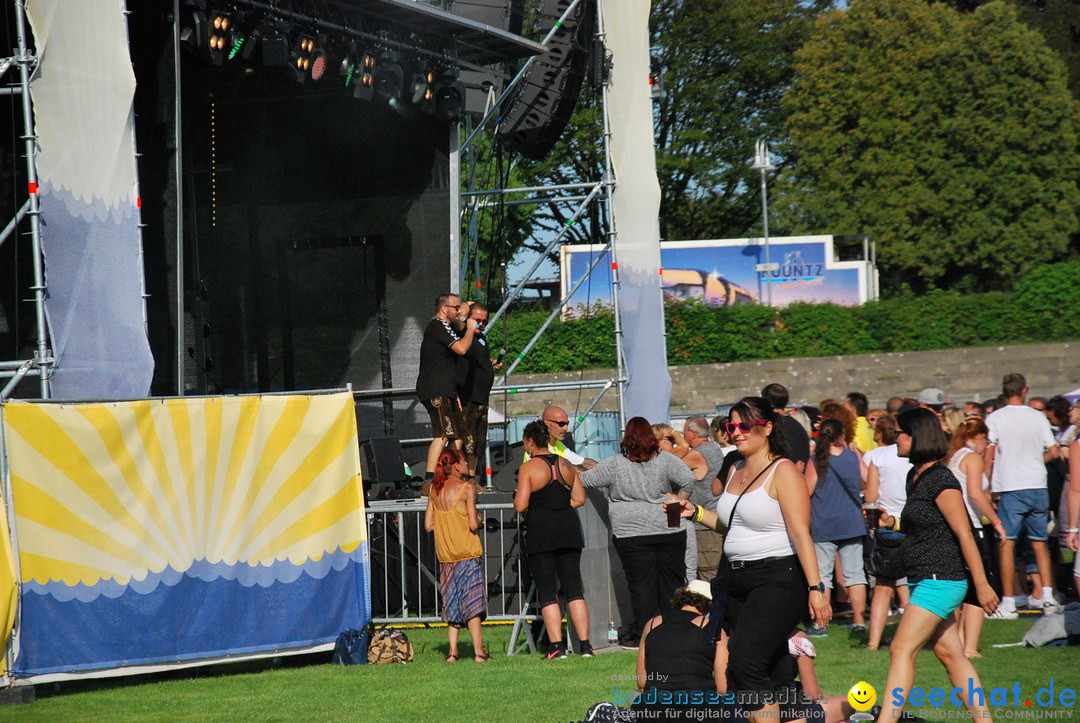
x,y
303,56
194,34
421,84
358,72
449,96
387,77
220,31
241,38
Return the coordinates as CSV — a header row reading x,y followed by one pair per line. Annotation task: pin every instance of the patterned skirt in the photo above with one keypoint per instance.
x,y
463,591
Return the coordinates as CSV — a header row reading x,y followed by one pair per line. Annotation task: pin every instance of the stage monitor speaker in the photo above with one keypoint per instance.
x,y
540,108
502,14
505,480
385,468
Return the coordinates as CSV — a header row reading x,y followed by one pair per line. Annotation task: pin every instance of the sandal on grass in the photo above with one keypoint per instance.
x,y
482,657
452,658
972,654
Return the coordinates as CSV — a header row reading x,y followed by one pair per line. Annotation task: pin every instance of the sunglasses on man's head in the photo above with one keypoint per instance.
x,y
561,424
744,427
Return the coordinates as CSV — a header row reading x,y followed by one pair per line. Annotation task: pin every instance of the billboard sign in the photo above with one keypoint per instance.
x,y
734,271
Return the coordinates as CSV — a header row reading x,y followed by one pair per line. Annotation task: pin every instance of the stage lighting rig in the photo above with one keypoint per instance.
x,y
219,29
421,84
358,72
310,58
388,77
448,96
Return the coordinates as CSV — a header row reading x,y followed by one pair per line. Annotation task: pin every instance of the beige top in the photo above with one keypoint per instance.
x,y
454,541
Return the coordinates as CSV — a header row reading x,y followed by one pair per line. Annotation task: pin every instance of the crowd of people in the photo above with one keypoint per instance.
x,y
740,537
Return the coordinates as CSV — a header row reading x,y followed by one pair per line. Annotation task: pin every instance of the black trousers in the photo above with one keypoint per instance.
x,y
556,570
655,566
766,601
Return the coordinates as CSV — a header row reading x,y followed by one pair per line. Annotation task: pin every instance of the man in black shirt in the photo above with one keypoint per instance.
x,y
436,385
478,375
798,441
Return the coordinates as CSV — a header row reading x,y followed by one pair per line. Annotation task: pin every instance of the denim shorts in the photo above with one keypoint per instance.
x,y
1025,511
940,597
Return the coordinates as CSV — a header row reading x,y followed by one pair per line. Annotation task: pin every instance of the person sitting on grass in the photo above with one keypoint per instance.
x,y
451,515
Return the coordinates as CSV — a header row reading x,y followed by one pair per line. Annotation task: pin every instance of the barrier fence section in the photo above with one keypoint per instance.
x,y
405,571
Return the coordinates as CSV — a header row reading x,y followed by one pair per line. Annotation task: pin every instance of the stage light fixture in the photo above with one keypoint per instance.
x,y
220,31
358,72
388,79
422,83
449,96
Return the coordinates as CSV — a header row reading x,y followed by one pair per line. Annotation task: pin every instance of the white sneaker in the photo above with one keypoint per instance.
x,y
1035,603
1003,614
1050,606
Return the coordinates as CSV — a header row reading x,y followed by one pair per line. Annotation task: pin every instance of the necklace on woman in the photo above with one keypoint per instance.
x,y
761,468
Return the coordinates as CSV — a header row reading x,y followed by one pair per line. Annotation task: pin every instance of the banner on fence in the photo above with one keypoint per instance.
x,y
172,530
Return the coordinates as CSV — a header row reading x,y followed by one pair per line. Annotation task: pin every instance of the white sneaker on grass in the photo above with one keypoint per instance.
x,y
1002,614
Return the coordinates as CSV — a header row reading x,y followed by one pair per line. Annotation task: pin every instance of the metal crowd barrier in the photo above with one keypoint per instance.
x,y
405,571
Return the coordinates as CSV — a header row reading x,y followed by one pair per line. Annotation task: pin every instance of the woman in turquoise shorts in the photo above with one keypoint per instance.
x,y
941,559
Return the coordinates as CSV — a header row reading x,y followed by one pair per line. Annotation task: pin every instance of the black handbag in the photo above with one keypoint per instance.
x,y
883,554
351,647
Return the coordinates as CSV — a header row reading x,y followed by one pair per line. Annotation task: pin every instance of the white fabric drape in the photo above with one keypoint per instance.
x,y
635,206
83,89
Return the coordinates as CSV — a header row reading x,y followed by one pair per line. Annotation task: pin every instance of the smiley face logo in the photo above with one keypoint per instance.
x,y
862,696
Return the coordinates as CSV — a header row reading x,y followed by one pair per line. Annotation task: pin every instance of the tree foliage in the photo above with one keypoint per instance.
x,y
1057,20
950,138
724,65
1037,311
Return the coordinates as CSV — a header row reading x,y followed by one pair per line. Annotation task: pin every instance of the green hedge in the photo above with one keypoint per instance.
x,y
1044,307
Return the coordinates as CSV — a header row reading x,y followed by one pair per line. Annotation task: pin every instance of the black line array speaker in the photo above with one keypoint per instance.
x,y
541,105
502,14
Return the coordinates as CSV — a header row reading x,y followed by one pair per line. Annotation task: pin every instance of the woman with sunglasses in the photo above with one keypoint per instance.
x,y
941,559
653,555
771,571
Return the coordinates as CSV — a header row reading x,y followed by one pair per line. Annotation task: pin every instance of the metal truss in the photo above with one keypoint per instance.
x,y
42,364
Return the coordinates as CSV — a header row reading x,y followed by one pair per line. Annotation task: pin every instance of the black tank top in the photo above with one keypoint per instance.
x,y
551,522
676,656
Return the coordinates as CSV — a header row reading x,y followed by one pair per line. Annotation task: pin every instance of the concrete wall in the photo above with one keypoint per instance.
x,y
963,374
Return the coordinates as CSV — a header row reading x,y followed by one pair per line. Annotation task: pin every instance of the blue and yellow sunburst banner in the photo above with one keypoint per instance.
x,y
173,530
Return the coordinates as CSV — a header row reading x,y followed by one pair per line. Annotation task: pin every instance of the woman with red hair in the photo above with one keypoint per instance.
x,y
451,515
652,554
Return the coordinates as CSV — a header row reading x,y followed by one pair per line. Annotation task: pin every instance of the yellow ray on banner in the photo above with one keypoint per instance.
x,y
120,490
8,590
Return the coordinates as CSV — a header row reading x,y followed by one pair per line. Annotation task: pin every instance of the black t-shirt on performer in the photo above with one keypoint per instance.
x,y
478,374
438,362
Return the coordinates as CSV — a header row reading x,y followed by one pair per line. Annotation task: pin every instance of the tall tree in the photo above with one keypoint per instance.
x,y
1057,20
724,65
950,138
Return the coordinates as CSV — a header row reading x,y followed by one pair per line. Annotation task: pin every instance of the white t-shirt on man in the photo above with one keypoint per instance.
x,y
1021,435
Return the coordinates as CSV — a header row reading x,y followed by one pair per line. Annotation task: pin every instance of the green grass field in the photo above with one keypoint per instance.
x,y
520,688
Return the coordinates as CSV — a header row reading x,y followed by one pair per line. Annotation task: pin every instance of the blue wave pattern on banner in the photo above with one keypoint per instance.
x,y
208,611
246,575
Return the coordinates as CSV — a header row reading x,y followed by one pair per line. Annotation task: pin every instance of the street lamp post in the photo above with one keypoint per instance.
x,y
762,163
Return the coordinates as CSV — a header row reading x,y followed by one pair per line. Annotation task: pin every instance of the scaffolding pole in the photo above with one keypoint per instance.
x,y
42,362
470,201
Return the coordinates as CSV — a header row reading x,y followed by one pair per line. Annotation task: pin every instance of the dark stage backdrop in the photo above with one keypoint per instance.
x,y
303,208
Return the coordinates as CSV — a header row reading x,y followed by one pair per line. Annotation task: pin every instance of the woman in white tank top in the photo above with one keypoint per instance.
x,y
965,461
771,571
